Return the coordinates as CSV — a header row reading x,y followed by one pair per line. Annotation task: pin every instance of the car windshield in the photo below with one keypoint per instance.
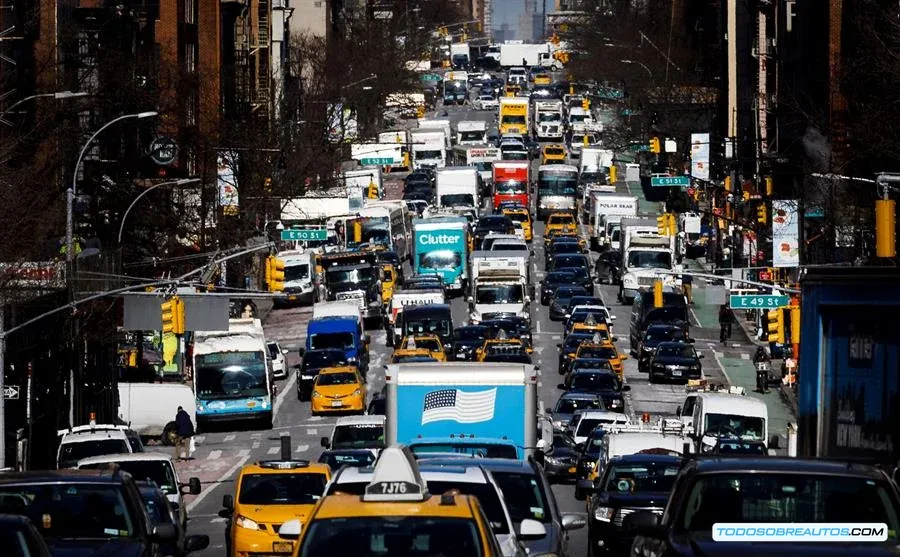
x,y
649,260
524,496
570,405
509,187
521,358
400,359
587,425
354,460
565,293
635,478
668,314
469,333
319,341
457,200
159,472
550,152
355,276
296,272
499,294
440,327
358,436
595,381
570,260
682,351
560,220
441,260
598,352
281,489
71,453
427,343
580,273
566,247
325,379
788,497
73,510
737,425
574,341
560,278
387,536
664,335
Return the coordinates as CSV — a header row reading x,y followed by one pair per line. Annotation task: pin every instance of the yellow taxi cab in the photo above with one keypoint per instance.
x,y
512,90
388,282
421,345
338,389
521,215
266,495
553,154
502,345
591,325
604,350
542,79
561,223
551,236
396,515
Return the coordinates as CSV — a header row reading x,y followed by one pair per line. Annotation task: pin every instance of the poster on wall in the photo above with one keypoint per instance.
x,y
785,234
700,156
227,169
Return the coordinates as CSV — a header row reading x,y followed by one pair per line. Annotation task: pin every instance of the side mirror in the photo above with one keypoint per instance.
x,y
678,410
367,339
196,542
228,503
165,532
623,357
612,317
561,387
193,486
775,442
559,345
582,488
691,341
531,529
700,356
302,352
568,315
573,521
284,351
325,442
615,339
290,529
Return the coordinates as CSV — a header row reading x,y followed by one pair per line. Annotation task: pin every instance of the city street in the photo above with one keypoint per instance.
x,y
221,454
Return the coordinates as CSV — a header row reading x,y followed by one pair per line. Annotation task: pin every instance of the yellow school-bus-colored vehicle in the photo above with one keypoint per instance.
x,y
338,389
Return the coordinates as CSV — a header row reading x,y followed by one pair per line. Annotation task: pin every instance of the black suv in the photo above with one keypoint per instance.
x,y
739,490
653,336
83,512
675,361
638,482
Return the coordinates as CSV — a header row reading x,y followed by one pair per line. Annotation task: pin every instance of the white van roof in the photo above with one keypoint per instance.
x,y
738,405
359,420
631,442
125,457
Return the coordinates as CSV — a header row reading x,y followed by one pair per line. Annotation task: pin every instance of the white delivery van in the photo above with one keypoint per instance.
x,y
722,413
150,408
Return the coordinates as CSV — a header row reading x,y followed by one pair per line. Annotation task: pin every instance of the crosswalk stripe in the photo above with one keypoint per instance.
x,y
274,450
302,448
230,437
214,455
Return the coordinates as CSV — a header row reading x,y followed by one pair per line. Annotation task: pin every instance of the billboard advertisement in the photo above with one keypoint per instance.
x,y
700,156
785,233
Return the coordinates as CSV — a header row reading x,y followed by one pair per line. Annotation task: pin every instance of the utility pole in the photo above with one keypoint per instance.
x,y
2,384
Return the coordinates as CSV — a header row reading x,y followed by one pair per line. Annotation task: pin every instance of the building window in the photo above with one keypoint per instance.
x,y
190,58
190,161
190,109
190,15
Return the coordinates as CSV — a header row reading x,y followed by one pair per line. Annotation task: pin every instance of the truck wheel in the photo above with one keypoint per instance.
x,y
169,434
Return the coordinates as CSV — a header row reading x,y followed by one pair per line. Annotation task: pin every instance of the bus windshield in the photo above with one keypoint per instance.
x,y
224,375
556,184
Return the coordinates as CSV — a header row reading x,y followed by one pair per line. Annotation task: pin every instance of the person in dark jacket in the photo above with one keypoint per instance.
x,y
185,430
724,323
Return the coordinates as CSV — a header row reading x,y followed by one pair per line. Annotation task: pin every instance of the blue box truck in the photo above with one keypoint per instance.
x,y
441,245
485,409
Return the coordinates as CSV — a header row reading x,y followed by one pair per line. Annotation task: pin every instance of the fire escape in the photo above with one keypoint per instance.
x,y
10,34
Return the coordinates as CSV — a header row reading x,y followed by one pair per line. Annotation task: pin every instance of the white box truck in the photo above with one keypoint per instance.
x,y
429,148
500,285
457,187
471,132
644,252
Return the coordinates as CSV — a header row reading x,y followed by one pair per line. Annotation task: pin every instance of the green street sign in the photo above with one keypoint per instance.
x,y
662,181
377,161
432,77
638,147
304,235
758,302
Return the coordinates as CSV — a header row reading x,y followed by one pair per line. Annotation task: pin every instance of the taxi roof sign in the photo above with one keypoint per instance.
x,y
591,320
283,464
411,343
396,477
597,338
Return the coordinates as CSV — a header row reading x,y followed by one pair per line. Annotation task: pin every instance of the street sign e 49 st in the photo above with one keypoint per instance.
x,y
758,301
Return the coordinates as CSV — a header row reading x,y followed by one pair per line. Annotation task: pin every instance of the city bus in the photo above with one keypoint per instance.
x,y
556,189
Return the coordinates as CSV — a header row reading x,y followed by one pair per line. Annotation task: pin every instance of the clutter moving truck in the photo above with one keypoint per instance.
x,y
440,249
485,409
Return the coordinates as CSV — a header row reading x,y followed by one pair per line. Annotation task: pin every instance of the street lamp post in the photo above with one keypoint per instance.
x,y
182,182
70,244
638,64
59,95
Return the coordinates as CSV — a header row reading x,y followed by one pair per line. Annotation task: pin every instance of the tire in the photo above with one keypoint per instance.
x,y
169,434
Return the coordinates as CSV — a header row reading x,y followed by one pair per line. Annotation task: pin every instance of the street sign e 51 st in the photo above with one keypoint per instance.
x,y
304,235
666,181
758,301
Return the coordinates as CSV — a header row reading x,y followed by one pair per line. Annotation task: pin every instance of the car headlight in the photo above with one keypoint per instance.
x,y
615,403
351,360
604,514
552,461
315,394
357,392
659,366
559,424
244,522
629,280
695,368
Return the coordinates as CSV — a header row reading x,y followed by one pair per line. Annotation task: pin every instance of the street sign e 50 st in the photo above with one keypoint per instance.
x,y
304,235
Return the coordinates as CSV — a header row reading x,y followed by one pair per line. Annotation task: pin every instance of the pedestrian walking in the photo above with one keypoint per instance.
x,y
725,318
184,429
687,284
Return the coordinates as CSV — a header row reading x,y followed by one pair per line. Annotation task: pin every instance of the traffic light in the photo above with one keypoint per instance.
x,y
776,326
274,274
612,174
658,294
770,186
666,224
761,214
795,324
585,104
173,316
885,228
654,145
727,183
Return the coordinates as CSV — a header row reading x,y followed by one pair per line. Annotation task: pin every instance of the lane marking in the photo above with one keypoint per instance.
x,y
311,431
722,367
214,455
274,450
199,438
218,519
255,445
230,437
243,452
302,448
288,387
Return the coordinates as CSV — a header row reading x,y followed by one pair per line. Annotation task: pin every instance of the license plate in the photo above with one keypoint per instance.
x,y
336,403
461,355
572,469
676,373
251,404
282,547
292,298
